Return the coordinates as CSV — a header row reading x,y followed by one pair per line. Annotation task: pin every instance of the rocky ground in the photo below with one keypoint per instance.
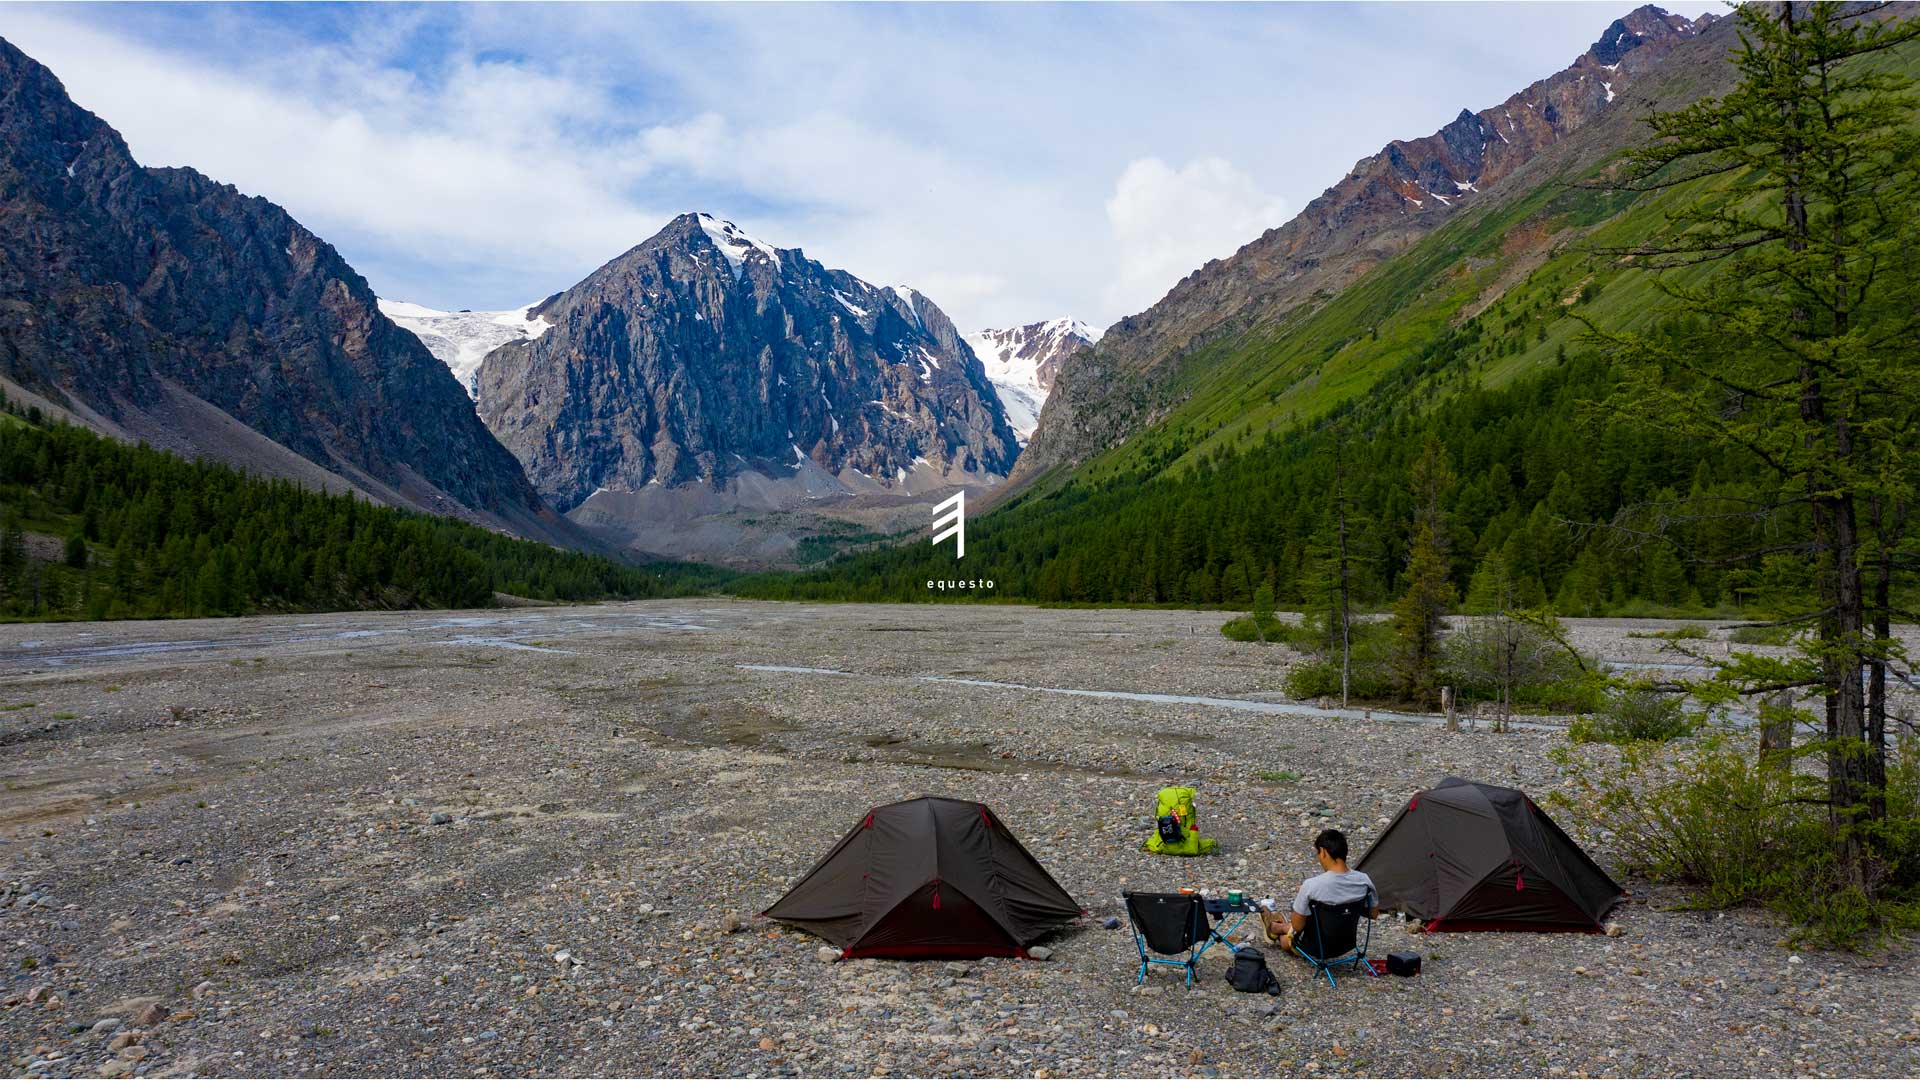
x,y
534,842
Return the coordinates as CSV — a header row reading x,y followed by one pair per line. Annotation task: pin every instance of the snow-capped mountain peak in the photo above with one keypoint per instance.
x,y
1021,362
461,339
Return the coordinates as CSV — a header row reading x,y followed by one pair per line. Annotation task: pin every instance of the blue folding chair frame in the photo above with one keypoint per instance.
x,y
1357,954
1197,934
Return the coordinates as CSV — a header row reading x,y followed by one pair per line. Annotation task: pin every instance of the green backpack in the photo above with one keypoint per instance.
x,y
1176,825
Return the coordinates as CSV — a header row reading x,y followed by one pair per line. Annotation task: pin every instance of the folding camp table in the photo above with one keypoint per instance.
x,y
1172,923
1218,907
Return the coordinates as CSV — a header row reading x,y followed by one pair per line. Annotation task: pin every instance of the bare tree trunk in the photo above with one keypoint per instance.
x,y
1509,644
1886,525
1842,634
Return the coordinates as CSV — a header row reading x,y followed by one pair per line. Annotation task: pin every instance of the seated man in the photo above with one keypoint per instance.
x,y
1335,885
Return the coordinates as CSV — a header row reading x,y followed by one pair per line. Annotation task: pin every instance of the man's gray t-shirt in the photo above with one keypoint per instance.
x,y
1333,888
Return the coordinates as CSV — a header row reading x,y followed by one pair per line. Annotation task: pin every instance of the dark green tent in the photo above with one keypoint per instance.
x,y
928,877
1467,856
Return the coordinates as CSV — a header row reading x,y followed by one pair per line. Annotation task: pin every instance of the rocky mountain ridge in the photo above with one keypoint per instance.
x,y
157,304
1384,204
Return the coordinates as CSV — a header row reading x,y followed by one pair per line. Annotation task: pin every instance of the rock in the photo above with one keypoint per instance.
x,y
1039,952
152,1014
38,994
441,818
826,954
101,1027
959,969
135,1052
1110,923
113,1068
730,924
122,1041
203,990
1614,929
566,959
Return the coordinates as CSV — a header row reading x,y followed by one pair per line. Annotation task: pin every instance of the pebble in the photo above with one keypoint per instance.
x,y
443,959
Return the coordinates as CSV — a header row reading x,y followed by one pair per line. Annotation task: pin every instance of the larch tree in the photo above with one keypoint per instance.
x,y
1793,260
1419,616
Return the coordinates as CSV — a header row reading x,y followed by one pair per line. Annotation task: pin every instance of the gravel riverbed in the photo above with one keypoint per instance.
x,y
534,842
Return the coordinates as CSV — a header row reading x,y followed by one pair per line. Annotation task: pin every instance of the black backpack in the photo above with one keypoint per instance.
x,y
1250,973
1170,831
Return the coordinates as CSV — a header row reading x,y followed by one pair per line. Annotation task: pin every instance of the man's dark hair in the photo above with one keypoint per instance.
x,y
1334,843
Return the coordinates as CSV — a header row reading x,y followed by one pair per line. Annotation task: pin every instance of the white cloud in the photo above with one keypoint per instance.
x,y
1168,222
484,155
474,169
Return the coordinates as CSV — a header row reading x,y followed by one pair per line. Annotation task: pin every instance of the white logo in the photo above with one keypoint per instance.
x,y
950,519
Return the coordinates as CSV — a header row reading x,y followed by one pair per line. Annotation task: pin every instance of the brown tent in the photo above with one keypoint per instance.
x,y
1467,856
928,877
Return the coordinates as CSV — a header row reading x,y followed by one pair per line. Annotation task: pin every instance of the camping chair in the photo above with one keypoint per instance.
x,y
1334,930
1170,924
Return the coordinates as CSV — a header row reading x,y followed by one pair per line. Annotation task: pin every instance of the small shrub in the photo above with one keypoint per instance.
x,y
1678,633
1313,680
1709,816
1480,657
1278,776
1245,628
1635,714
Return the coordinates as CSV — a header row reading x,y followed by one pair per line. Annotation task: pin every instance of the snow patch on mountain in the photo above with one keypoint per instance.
x,y
461,339
1020,362
735,245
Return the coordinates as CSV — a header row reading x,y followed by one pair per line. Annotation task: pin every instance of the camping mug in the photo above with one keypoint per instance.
x,y
1233,897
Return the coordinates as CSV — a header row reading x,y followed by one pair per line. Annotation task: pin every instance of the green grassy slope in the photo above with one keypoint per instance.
x,y
1532,260
1474,337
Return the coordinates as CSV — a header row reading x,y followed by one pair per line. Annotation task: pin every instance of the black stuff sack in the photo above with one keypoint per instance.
x,y
1403,963
1250,973
1170,831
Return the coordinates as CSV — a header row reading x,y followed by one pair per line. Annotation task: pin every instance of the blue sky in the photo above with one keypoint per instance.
x,y
1014,162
